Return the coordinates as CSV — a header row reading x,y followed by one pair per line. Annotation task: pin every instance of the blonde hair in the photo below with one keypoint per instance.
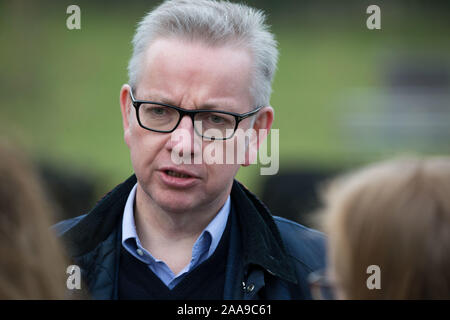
x,y
395,215
32,262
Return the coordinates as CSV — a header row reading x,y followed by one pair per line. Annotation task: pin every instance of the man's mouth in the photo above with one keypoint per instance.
x,y
178,178
177,174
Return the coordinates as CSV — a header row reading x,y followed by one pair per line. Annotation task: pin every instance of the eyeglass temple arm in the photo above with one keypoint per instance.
x,y
249,114
132,95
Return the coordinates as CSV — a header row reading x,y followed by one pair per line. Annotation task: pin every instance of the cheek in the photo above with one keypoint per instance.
x,y
230,152
144,147
221,175
236,149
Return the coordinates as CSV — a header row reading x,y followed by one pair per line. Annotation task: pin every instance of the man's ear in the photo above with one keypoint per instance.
x,y
261,127
125,107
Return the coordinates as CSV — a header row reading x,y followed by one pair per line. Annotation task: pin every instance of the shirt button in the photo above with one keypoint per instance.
x,y
140,252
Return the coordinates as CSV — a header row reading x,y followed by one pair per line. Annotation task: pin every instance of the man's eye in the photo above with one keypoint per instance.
x,y
158,111
216,119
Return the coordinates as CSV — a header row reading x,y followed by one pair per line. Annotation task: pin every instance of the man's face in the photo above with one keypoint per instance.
x,y
193,76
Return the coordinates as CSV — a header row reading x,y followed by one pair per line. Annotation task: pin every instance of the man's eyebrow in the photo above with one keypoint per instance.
x,y
222,104
205,106
211,106
166,101
158,98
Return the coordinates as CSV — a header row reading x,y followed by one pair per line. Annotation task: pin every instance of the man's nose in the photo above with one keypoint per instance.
x,y
184,141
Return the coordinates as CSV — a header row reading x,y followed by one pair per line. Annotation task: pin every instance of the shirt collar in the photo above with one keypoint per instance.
x,y
215,228
128,224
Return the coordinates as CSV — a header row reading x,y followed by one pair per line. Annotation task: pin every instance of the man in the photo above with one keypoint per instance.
x,y
182,227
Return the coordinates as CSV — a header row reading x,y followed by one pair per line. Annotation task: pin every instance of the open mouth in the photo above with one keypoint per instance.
x,y
178,178
177,174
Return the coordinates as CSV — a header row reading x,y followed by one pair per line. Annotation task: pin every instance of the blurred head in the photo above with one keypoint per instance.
x,y
32,263
395,215
196,55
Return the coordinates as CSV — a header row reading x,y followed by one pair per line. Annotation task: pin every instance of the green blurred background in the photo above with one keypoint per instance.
x,y
60,88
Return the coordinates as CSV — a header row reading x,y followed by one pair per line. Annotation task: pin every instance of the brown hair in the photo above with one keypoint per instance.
x,y
395,215
32,262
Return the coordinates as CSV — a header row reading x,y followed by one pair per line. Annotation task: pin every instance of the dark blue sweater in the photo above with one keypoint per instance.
x,y
137,281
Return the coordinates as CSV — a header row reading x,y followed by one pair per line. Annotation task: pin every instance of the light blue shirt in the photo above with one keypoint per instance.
x,y
203,248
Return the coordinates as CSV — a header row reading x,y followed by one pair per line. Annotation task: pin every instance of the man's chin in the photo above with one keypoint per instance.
x,y
179,207
174,200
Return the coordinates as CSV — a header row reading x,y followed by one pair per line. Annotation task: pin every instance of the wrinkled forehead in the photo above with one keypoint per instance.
x,y
185,70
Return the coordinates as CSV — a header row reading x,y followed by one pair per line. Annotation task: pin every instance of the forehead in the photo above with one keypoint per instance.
x,y
195,73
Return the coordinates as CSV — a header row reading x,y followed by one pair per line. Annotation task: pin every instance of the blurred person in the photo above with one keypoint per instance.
x,y
189,230
395,216
32,262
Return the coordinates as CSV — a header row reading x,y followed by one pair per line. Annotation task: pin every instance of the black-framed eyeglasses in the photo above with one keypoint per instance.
x,y
165,118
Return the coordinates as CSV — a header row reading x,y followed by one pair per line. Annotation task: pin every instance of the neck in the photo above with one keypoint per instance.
x,y
167,235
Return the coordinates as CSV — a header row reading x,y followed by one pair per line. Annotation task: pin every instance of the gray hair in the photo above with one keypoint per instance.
x,y
215,23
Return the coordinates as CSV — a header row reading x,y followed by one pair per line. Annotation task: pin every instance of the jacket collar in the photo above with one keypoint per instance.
x,y
262,244
98,224
261,239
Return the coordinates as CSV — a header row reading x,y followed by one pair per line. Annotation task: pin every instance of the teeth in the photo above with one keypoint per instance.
x,y
176,174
